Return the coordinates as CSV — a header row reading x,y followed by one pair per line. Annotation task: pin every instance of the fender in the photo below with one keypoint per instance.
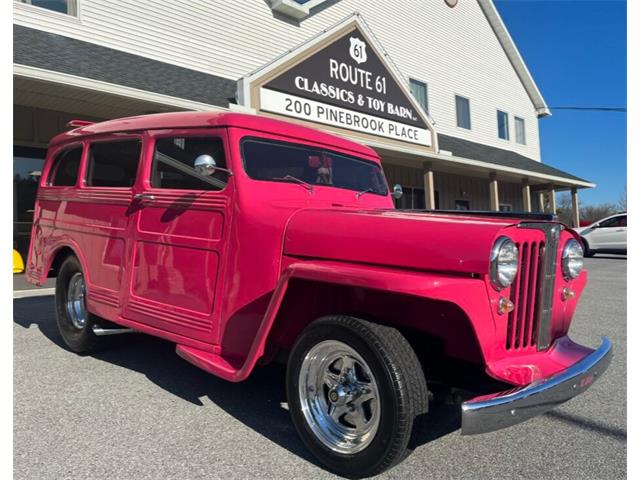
x,y
39,276
468,293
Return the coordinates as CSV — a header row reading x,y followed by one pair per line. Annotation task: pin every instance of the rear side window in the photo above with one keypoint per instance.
x,y
113,164
65,168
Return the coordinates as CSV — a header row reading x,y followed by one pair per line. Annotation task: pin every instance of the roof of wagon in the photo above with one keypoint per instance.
x,y
173,120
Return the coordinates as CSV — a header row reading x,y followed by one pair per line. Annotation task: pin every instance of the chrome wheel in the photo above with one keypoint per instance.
x,y
75,304
339,397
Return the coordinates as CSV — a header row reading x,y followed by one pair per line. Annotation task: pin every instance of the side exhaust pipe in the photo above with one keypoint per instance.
x,y
100,332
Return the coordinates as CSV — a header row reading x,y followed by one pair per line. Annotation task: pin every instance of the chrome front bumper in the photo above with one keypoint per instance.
x,y
489,413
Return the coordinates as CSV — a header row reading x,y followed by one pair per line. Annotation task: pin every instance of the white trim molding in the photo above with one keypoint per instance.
x,y
514,56
294,9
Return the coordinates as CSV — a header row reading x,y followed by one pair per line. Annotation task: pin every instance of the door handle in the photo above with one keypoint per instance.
x,y
144,197
620,230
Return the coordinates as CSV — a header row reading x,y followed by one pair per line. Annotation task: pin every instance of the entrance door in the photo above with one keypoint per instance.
x,y
178,246
27,165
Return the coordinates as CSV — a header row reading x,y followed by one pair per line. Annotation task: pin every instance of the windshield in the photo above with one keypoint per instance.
x,y
280,162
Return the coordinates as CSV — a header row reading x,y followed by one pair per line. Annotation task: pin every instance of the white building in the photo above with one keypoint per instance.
x,y
475,105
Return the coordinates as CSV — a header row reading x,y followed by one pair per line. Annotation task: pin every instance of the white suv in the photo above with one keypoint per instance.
x,y
608,235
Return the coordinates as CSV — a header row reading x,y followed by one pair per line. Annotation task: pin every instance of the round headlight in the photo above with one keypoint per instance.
x,y
572,259
504,263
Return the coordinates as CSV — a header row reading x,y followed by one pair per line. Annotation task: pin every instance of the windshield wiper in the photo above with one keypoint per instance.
x,y
359,194
288,178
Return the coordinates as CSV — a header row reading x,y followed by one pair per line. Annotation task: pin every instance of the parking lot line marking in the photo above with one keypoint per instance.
x,y
35,292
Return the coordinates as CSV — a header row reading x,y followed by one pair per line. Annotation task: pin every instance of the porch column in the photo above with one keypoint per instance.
x,y
542,200
575,210
526,195
429,186
552,200
494,199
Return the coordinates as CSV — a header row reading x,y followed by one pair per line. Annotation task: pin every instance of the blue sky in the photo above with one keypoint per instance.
x,y
577,54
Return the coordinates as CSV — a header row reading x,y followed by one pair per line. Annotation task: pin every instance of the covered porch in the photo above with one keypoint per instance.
x,y
465,175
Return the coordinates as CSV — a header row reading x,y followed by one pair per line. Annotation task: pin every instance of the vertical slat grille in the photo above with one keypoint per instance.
x,y
521,323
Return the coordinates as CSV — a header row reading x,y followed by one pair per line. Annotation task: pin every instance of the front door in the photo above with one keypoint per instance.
x,y
179,236
611,234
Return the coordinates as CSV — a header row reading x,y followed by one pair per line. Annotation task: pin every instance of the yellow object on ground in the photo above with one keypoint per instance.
x,y
18,264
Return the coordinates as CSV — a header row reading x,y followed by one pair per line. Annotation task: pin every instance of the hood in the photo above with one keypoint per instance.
x,y
424,241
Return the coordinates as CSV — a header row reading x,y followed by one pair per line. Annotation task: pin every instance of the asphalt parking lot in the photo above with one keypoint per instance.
x,y
141,412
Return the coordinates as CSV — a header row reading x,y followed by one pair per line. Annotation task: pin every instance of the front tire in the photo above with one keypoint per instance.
x,y
355,390
75,323
588,253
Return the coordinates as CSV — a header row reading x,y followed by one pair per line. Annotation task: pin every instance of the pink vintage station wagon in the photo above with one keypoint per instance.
x,y
244,239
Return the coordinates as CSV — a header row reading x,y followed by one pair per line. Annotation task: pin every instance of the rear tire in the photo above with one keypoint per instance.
x,y
75,323
356,393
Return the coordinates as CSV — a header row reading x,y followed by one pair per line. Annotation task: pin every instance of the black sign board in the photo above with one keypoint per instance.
x,y
346,84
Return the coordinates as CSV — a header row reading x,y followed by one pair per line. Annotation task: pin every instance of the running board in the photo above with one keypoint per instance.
x,y
211,362
100,332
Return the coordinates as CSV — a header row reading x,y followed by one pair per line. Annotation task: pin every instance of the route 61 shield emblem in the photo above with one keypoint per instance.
x,y
357,50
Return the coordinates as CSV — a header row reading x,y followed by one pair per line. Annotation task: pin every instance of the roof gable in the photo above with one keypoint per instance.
x,y
510,49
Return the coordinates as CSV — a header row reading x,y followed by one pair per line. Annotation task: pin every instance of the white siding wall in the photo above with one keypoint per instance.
x,y
453,50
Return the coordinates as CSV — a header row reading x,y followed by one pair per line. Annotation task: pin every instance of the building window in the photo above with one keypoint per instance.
x,y
520,137
463,113
412,199
68,7
113,164
505,207
461,205
419,92
503,125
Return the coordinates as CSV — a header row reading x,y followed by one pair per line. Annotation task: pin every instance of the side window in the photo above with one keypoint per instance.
x,y
65,168
113,163
68,7
173,161
503,125
520,131
463,112
620,221
419,91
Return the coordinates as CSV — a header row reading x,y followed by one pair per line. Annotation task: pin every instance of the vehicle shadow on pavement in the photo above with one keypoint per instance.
x,y
259,402
589,425
601,256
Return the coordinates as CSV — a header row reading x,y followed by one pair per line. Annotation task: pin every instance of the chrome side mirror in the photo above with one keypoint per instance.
x,y
205,165
397,191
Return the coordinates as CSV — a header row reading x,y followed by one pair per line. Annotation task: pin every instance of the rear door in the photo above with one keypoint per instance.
x,y
97,217
179,235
